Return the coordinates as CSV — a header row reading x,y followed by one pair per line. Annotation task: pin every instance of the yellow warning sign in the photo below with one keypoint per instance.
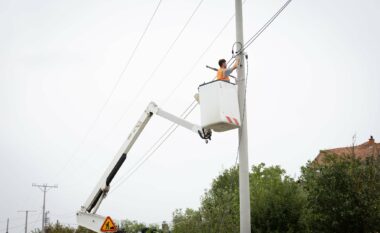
x,y
108,225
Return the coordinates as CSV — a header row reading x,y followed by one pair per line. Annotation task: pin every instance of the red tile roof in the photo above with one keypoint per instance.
x,y
369,148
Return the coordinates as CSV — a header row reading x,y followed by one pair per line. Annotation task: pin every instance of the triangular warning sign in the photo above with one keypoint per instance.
x,y
108,225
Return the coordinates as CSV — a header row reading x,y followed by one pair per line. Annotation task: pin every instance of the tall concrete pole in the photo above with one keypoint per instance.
x,y
44,188
26,221
26,218
43,212
244,194
7,224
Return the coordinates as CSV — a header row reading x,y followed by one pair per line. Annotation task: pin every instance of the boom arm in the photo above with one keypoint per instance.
x,y
87,217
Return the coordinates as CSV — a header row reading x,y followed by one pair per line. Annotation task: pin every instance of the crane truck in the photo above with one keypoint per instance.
x,y
219,112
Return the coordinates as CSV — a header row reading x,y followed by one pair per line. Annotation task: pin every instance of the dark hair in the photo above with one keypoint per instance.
x,y
221,62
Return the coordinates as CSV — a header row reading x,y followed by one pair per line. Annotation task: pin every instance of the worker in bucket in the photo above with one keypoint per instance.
x,y
224,72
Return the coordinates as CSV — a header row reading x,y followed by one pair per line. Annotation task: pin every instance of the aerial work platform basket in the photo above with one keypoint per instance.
x,y
219,106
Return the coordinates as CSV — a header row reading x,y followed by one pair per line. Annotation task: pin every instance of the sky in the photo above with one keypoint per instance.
x,y
313,83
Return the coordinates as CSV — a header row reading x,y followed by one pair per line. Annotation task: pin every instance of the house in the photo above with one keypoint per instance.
x,y
369,148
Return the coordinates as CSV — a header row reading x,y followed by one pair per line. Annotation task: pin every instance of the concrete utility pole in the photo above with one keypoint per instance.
x,y
46,217
244,195
26,218
44,188
7,224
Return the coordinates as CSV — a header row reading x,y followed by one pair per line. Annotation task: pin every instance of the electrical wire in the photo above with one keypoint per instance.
x,y
155,146
166,99
265,26
195,64
256,35
171,130
20,217
103,107
167,52
163,58
148,154
20,225
64,215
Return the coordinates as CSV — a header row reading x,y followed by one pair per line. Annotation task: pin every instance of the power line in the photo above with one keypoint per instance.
x,y
16,217
257,34
190,71
169,131
89,130
159,64
44,188
155,147
265,26
195,64
246,45
166,54
37,219
20,225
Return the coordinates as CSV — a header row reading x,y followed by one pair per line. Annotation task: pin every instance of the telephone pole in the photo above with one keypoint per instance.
x,y
7,225
244,195
44,188
26,218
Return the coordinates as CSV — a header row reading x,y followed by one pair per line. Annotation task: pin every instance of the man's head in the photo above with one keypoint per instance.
x,y
222,63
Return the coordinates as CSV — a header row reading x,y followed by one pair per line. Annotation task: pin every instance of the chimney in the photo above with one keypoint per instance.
x,y
371,141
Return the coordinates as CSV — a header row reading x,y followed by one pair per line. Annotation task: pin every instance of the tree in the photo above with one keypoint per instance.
x,y
81,229
132,226
277,204
277,201
56,228
189,221
220,204
343,194
129,226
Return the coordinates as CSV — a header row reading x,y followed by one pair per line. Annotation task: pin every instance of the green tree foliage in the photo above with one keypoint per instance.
x,y
277,201
132,226
187,221
129,226
81,229
343,194
56,228
340,195
277,204
220,204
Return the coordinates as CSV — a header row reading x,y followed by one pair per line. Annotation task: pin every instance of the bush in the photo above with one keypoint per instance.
x,y
343,194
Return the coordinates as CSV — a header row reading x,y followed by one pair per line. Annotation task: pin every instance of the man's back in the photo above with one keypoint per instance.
x,y
221,75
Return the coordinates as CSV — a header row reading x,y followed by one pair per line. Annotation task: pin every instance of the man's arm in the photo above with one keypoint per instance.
x,y
227,72
237,63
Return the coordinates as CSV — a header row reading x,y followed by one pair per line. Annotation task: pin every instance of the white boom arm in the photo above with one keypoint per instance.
x,y
86,217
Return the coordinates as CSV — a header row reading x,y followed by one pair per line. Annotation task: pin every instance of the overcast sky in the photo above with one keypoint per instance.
x,y
313,83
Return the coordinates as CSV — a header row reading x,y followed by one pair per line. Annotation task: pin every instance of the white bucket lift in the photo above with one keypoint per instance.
x,y
219,112
219,106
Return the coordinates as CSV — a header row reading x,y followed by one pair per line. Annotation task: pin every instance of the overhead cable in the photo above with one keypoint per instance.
x,y
159,64
103,107
148,154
